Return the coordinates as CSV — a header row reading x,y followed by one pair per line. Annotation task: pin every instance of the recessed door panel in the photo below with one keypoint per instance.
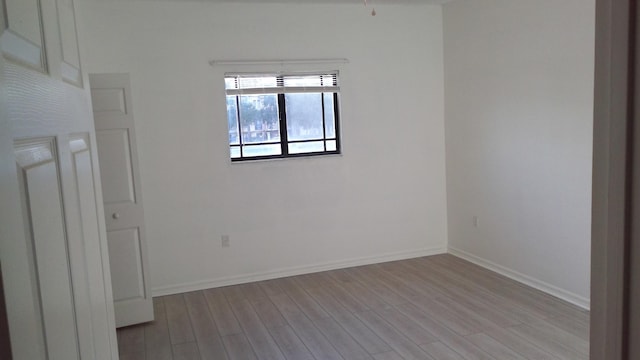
x,y
108,101
22,39
38,172
68,42
88,247
24,19
126,264
114,153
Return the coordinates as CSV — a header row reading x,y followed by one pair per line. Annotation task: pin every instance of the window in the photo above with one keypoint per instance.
x,y
279,116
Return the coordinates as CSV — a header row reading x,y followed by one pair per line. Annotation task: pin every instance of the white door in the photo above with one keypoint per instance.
x,y
53,249
116,138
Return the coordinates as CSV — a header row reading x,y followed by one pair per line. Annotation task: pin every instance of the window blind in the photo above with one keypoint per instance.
x,y
252,84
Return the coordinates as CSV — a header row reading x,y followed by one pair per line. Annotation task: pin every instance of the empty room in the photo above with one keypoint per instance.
x,y
317,179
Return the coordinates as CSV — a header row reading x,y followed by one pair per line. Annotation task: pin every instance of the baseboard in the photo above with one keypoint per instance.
x,y
570,297
292,271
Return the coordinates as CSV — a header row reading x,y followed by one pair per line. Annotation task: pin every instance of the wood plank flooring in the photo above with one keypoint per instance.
x,y
437,307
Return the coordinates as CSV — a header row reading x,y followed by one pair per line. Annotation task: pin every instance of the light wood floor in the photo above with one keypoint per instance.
x,y
438,307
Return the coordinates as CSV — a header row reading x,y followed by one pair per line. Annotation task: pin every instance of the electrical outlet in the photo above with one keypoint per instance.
x,y
476,221
225,242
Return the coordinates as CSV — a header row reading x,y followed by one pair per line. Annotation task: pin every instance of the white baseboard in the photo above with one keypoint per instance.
x,y
525,279
292,271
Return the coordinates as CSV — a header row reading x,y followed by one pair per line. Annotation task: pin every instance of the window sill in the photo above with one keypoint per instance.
x,y
288,158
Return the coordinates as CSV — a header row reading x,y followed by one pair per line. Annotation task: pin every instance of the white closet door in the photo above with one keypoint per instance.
x,y
115,132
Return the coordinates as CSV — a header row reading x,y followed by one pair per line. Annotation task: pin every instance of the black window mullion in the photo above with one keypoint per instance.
x,y
324,125
239,124
336,121
283,125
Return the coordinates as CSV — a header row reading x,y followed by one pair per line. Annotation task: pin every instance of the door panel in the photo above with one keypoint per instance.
x,y
124,249
24,19
124,213
115,165
70,64
89,246
22,40
108,102
77,240
41,197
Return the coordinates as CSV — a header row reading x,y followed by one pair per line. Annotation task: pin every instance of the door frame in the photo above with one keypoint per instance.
x,y
616,184
5,342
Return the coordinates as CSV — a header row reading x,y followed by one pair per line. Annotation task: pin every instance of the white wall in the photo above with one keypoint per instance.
x,y
518,107
384,198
